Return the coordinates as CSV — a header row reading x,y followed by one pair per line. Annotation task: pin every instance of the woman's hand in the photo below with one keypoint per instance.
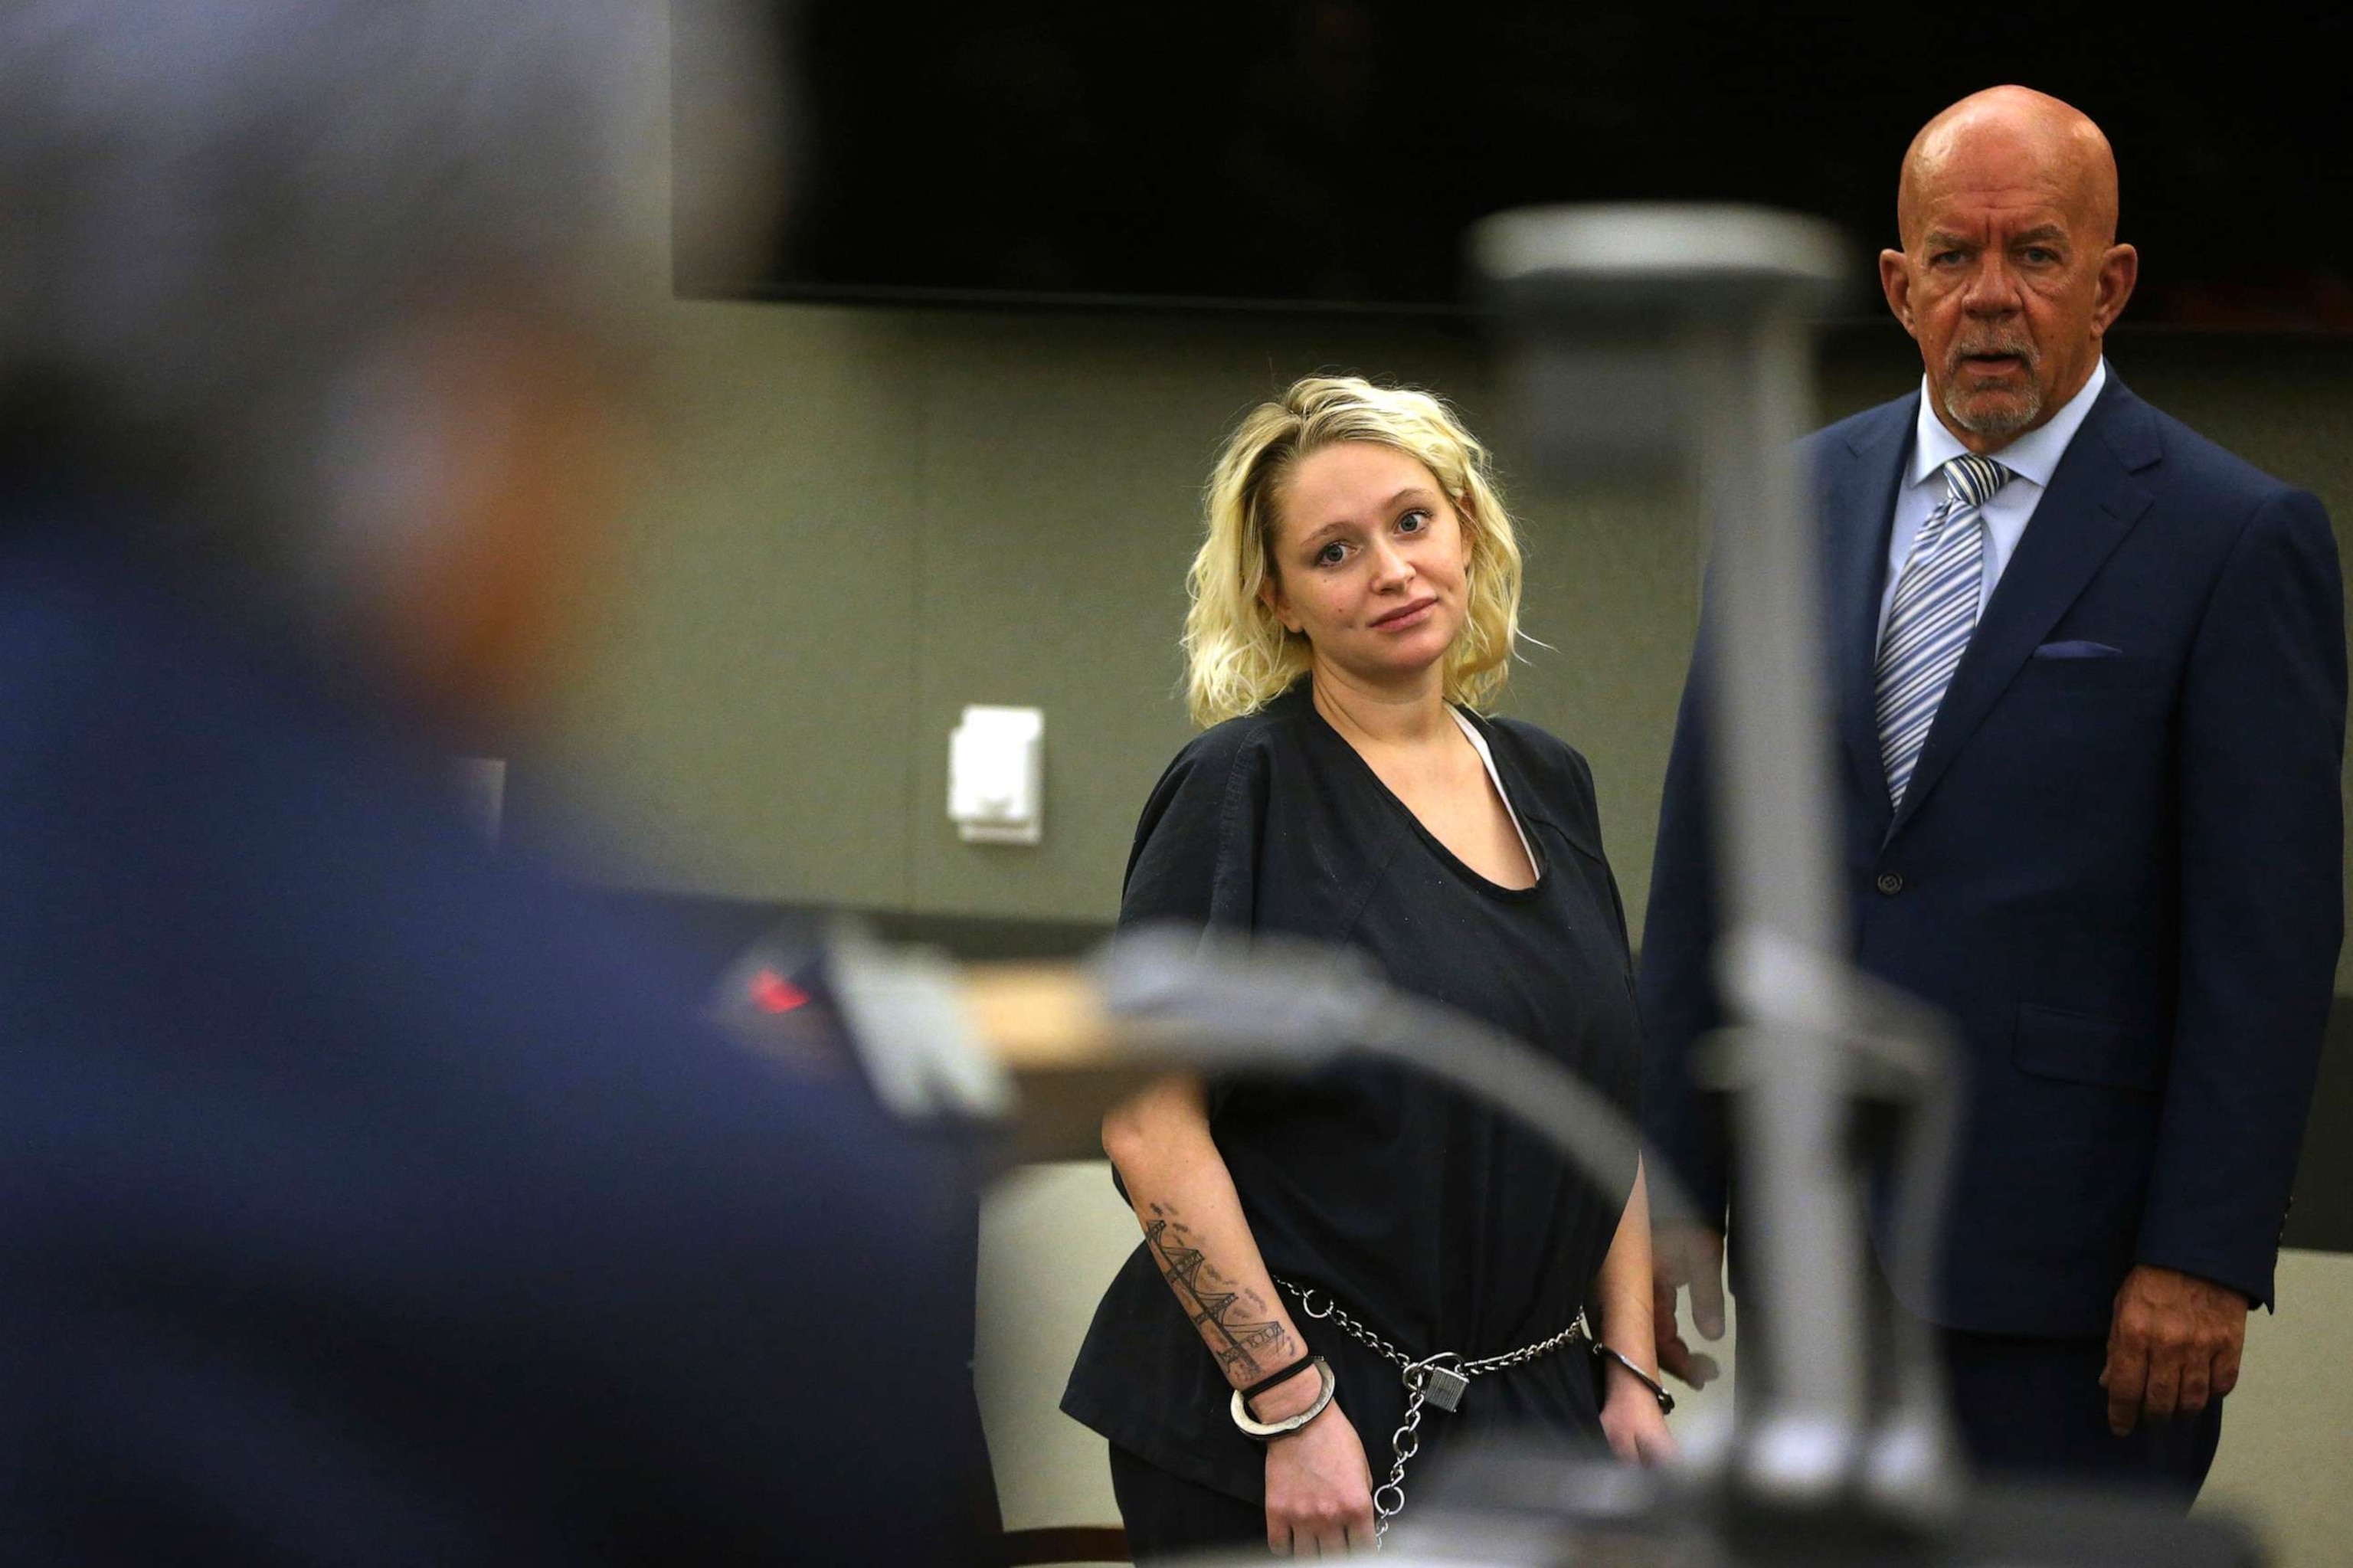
x,y
1631,1419
1319,1492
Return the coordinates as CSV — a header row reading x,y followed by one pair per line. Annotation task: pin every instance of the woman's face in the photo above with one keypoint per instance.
x,y
1369,560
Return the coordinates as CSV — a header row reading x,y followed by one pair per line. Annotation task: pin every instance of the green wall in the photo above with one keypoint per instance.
x,y
858,521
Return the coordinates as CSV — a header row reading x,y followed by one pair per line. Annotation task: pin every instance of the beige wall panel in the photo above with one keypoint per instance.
x,y
1065,461
2286,1461
1051,1237
746,698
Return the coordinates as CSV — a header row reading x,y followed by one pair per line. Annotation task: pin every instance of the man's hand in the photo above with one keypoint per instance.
x,y
2173,1346
1689,1255
1319,1492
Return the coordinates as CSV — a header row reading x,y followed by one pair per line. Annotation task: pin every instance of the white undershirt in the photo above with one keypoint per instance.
x,y
1479,744
2032,458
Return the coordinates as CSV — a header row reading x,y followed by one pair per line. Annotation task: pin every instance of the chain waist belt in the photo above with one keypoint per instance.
x,y
1439,1379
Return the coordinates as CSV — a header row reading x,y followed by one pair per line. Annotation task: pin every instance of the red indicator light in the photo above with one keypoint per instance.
x,y
772,992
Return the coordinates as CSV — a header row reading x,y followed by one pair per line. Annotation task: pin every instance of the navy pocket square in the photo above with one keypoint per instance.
x,y
2077,651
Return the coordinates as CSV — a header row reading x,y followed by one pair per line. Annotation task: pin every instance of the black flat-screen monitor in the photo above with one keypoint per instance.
x,y
1328,154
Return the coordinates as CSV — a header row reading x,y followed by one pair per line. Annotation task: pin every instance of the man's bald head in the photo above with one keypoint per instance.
x,y
2011,271
2012,135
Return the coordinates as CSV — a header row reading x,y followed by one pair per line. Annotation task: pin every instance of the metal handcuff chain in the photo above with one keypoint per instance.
x,y
1388,1498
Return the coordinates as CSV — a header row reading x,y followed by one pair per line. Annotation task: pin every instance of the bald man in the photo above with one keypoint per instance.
x,y
2091,684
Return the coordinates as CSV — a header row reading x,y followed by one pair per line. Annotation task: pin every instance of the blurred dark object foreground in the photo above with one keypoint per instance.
x,y
365,1198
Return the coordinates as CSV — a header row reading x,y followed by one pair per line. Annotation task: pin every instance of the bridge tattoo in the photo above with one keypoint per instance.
x,y
1234,1343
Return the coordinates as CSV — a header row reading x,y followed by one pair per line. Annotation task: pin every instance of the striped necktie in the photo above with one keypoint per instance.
x,y
1936,610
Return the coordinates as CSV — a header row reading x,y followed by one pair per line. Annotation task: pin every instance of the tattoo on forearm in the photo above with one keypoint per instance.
x,y
1217,1312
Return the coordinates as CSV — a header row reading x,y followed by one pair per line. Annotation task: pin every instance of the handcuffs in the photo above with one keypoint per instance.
x,y
1440,1380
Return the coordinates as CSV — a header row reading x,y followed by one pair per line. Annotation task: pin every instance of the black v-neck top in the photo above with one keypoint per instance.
x,y
1443,1223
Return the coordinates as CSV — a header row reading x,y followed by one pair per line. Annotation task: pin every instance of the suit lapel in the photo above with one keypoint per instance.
x,y
1859,486
2092,503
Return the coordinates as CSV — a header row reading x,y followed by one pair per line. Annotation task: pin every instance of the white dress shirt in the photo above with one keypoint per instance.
x,y
2032,458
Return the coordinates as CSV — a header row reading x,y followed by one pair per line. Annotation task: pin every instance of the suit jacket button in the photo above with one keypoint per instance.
x,y
1889,882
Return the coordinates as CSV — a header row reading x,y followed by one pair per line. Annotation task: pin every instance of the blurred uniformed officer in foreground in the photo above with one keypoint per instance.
x,y
363,1199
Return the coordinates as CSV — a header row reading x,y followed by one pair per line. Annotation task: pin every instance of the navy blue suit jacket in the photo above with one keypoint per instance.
x,y
2118,867
364,1199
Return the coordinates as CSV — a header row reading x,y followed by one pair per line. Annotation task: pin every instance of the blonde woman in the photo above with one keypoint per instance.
x,y
1354,606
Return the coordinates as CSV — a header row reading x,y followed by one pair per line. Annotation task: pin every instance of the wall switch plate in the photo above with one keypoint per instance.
x,y
996,782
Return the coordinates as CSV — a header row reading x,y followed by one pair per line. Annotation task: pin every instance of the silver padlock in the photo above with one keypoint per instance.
x,y
1442,1387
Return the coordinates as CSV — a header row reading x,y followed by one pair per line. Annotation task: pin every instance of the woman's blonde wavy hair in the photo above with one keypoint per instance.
x,y
1238,656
